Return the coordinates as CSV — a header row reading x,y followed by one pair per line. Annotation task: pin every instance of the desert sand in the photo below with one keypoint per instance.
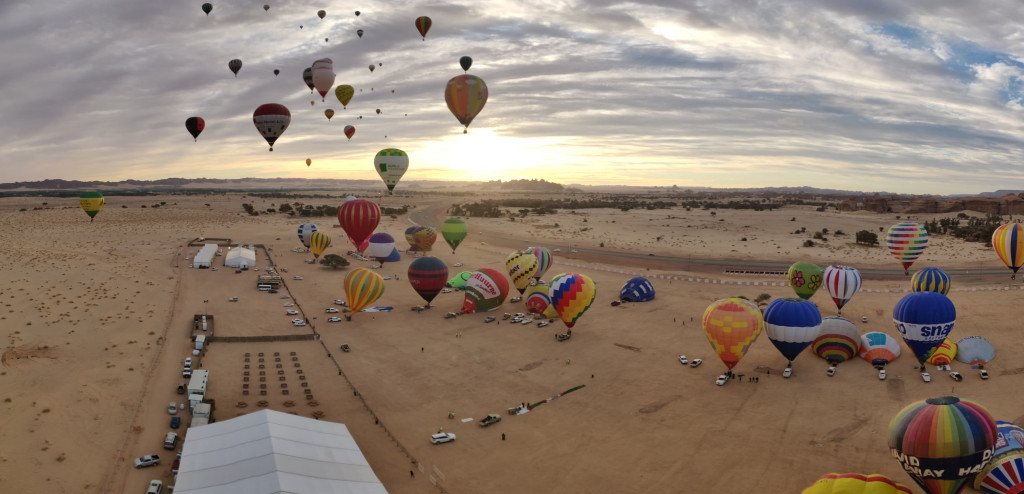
x,y
97,317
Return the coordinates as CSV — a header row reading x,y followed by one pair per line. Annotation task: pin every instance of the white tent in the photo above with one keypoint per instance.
x,y
205,256
270,452
240,256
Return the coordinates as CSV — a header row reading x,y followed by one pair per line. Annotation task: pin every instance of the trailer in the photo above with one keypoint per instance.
x,y
197,383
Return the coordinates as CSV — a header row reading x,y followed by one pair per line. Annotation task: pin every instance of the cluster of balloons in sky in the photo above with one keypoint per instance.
x,y
465,96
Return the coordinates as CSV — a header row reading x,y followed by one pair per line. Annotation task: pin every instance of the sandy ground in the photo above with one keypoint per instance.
x,y
97,316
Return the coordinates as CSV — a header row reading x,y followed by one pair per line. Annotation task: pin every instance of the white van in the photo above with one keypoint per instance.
x,y
263,288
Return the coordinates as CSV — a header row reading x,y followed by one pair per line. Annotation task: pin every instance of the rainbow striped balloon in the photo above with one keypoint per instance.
x,y
543,260
931,280
1008,241
942,443
906,242
572,294
1005,473
362,288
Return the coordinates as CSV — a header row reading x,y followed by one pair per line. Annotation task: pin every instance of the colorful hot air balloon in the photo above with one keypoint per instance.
x,y
942,443
543,256
195,126
855,483
637,289
486,290
975,350
359,218
1005,473
235,65
521,268
931,280
838,340
359,32
321,14
381,245
362,288
323,76
329,113
791,324
428,275
906,241
395,256
307,77
731,326
454,232
924,319
350,131
537,299
466,95
91,202
842,283
423,24
207,7
1008,242
305,230
571,295
423,238
318,242
466,63
459,280
271,120
943,354
391,164
878,348
805,278
408,237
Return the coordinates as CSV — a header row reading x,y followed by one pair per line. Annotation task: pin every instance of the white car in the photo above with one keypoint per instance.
x,y
956,376
285,296
683,360
926,377
331,310
340,302
296,277
233,299
722,378
291,312
526,321
832,371
255,268
542,324
881,374
172,408
299,323
297,320
458,264
188,362
386,277
147,461
155,487
289,304
557,250
442,437
333,319
446,290
984,374
788,372
213,269
190,265
696,362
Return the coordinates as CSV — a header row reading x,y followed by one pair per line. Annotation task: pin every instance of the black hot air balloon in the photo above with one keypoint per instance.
x,y
207,7
235,65
276,71
466,63
359,32
195,126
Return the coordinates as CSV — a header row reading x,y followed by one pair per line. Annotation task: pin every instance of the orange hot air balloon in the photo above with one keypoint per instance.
x,y
328,113
423,25
309,162
466,95
732,325
350,131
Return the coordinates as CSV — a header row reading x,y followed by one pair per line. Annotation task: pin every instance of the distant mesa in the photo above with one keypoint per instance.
x,y
1006,204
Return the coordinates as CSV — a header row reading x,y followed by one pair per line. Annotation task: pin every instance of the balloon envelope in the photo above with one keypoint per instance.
x,y
423,24
459,280
486,290
391,164
307,77
466,95
323,76
856,483
195,126
931,280
838,340
362,288
543,256
271,120
321,14
423,238
944,353
428,275
942,442
907,241
975,350
466,62
381,245
1005,473
537,299
350,131
842,283
805,278
731,326
91,202
318,242
344,93
329,113
791,324
454,232
571,295
879,348
207,7
235,65
924,319
305,230
1008,242
521,268
359,32
637,289
359,218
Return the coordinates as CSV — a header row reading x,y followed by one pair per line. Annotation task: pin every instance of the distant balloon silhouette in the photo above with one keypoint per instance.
x,y
466,63
266,7
276,71
207,7
359,32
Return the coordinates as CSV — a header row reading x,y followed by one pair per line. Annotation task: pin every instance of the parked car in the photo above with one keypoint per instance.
x,y
186,372
175,422
340,302
832,371
284,296
291,312
299,323
450,315
788,372
446,290
984,374
172,408
526,321
542,324
682,359
490,420
386,277
722,378
458,264
288,304
181,389
557,250
296,277
333,319
233,299
188,362
489,319
926,377
147,461
442,437
418,308
155,487
881,374
515,300
171,440
696,362
297,320
956,376
331,310
345,348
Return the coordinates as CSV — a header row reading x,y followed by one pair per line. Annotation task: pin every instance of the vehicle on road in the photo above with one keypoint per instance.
x,y
832,371
696,362
147,461
683,360
333,319
489,319
296,277
331,310
171,440
722,378
291,312
881,374
233,299
490,420
345,348
926,377
299,323
442,437
956,376
155,487
984,374
542,324
175,422
788,372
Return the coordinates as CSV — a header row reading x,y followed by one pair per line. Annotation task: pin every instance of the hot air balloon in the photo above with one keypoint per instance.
x,y
350,131
543,256
408,237
924,319
942,443
378,109
731,326
372,68
318,242
1005,473
838,340
879,348
459,280
943,354
466,63
362,288
357,13
359,218
344,94
856,483
1008,242
454,232
381,245
975,350
486,290
276,72
842,283
195,126
521,268
572,294
307,77
309,162
805,278
329,113
305,230
466,95
906,241
637,289
359,32
423,238
266,7
537,299
207,7
323,76
423,24
791,324
91,202
931,280
394,256
271,120
235,65
428,275
391,164
325,39
321,14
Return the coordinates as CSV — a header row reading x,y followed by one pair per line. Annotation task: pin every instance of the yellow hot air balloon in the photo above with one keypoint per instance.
x,y
344,94
318,242
328,113
571,295
362,288
521,268
91,202
732,325
856,483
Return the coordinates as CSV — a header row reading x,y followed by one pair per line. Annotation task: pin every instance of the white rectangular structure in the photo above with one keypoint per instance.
x,y
240,256
205,256
197,383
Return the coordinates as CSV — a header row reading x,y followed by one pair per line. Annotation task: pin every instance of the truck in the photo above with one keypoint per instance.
x,y
200,341
197,383
490,420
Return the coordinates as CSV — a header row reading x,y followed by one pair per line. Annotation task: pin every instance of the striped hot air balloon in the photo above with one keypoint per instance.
x,y
318,242
428,276
906,241
521,268
931,280
792,324
1005,473
486,290
466,95
91,202
924,319
842,283
543,256
359,217
838,340
362,288
1008,242
878,348
572,294
944,353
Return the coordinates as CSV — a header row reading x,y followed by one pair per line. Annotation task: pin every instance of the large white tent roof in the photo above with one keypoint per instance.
x,y
270,452
240,255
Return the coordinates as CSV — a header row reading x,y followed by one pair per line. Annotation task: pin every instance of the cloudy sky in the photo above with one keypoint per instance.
x,y
918,96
